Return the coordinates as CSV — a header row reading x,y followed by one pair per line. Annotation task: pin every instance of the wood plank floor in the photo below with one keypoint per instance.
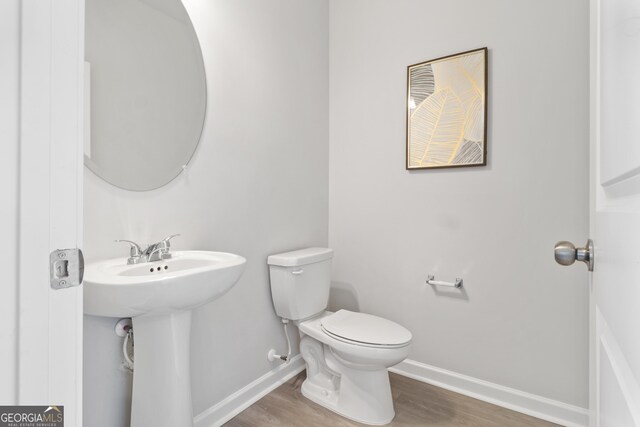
x,y
416,404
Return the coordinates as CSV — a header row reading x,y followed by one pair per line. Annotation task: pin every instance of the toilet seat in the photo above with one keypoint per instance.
x,y
365,330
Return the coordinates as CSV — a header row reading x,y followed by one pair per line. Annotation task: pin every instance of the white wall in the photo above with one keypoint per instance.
x,y
258,184
522,320
9,129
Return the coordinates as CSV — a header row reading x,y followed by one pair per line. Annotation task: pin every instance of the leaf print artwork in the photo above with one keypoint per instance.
x,y
446,111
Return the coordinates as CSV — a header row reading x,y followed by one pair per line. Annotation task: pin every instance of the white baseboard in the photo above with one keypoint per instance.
x,y
223,411
516,400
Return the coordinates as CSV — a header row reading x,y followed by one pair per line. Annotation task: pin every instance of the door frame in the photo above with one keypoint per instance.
x,y
49,350
9,118
594,32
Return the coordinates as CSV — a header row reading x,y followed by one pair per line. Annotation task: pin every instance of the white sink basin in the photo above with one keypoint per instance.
x,y
189,279
159,296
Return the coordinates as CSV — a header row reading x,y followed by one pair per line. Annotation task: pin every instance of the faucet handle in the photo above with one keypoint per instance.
x,y
167,240
164,246
136,251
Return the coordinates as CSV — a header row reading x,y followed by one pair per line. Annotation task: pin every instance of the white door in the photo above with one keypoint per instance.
x,y
615,212
48,349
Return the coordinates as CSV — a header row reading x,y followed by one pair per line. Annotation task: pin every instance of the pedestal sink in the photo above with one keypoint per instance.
x,y
159,297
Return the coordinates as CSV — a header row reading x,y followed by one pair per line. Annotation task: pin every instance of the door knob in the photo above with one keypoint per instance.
x,y
566,253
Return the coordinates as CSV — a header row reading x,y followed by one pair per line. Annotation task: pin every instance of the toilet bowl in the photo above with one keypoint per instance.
x,y
347,353
347,374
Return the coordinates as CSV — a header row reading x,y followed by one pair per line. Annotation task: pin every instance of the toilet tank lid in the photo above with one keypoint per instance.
x,y
300,257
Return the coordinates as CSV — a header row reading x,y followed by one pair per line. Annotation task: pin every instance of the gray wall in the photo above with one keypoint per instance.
x,y
258,184
522,321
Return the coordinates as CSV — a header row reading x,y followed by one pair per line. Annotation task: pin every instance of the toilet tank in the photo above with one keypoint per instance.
x,y
300,282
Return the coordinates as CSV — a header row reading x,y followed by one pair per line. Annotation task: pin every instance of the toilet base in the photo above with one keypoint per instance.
x,y
359,395
372,415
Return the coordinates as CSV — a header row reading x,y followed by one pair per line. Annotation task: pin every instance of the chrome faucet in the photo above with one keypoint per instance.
x,y
154,252
159,251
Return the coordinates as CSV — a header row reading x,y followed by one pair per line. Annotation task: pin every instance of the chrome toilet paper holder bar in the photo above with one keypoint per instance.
x,y
431,281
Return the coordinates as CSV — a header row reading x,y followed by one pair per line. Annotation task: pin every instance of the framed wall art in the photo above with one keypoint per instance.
x,y
447,111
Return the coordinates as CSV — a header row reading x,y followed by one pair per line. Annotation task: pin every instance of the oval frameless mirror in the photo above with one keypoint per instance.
x,y
147,91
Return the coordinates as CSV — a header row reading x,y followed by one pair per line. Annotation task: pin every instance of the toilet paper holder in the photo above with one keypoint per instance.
x,y
431,281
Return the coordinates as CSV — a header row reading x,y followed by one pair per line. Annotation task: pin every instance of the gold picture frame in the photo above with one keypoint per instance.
x,y
447,111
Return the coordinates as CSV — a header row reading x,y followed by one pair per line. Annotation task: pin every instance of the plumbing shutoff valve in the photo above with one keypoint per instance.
x,y
123,327
272,356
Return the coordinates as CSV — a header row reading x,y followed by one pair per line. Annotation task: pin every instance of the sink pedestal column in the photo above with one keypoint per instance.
x,y
161,376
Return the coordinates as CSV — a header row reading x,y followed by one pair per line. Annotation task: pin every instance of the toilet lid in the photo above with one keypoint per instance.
x,y
365,328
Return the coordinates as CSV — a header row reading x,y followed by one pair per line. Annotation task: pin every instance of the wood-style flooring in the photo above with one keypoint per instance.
x,y
416,404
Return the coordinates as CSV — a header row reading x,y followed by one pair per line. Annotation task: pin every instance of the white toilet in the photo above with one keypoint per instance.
x,y
347,353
